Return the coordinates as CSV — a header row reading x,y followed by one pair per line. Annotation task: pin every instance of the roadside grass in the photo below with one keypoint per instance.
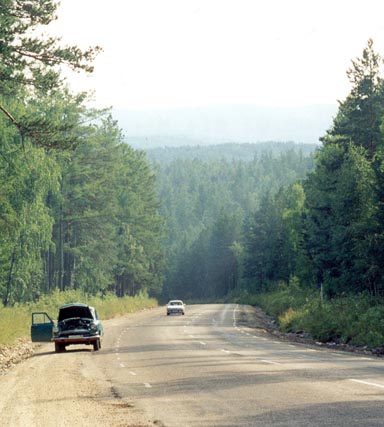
x,y
15,322
352,319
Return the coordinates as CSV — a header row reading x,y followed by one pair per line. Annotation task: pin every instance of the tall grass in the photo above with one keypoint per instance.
x,y
15,322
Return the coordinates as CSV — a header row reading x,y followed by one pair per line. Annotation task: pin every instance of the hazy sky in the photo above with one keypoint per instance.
x,y
178,53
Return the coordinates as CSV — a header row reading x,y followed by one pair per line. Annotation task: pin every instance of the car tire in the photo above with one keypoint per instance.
x,y
59,348
96,345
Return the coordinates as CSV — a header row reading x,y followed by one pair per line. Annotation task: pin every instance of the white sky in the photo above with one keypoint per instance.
x,y
181,53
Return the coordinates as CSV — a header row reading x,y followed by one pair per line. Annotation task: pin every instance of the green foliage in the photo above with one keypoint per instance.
x,y
340,214
285,298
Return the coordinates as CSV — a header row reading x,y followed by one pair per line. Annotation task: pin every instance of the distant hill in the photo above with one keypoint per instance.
x,y
222,124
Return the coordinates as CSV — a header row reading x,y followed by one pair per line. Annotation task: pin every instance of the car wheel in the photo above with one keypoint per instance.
x,y
59,347
96,345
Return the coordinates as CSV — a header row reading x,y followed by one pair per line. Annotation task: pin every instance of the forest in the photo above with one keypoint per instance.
x,y
208,195
80,209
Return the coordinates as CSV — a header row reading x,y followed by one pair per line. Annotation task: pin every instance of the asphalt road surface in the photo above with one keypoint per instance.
x,y
208,369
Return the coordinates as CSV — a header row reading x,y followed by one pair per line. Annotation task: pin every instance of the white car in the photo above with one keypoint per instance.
x,y
175,306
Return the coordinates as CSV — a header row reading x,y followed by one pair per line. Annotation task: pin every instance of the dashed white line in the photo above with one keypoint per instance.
x,y
202,343
271,362
367,383
147,385
133,373
225,351
122,365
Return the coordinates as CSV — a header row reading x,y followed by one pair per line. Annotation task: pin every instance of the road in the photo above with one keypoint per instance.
x,y
207,368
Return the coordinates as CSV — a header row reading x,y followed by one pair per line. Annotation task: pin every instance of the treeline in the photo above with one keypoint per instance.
x,y
251,225
226,151
78,208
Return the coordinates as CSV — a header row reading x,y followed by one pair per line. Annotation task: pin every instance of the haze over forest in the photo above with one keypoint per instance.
x,y
221,124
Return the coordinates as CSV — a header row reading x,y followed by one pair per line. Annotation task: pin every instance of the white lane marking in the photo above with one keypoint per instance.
x,y
122,365
202,343
225,351
271,362
367,383
133,373
147,385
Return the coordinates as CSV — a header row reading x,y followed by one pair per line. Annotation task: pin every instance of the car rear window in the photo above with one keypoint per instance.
x,y
74,311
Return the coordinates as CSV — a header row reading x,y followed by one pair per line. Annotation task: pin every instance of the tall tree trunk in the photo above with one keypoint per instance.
x,y
61,251
10,276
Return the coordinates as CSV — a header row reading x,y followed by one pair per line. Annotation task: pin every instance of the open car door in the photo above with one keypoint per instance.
x,y
41,328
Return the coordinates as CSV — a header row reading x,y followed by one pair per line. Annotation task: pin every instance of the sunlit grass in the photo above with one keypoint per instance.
x,y
15,322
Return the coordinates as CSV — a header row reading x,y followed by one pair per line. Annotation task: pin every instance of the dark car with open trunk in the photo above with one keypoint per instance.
x,y
77,323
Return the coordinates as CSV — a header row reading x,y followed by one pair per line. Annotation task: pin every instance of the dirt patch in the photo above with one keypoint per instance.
x,y
14,354
55,390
